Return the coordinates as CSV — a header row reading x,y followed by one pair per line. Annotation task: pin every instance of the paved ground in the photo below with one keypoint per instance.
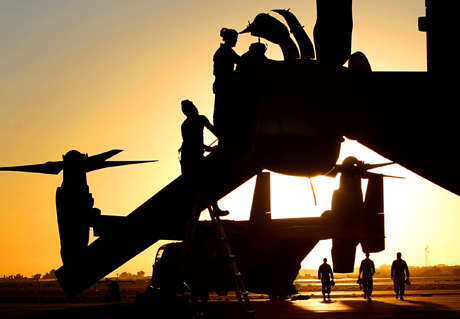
x,y
441,304
346,306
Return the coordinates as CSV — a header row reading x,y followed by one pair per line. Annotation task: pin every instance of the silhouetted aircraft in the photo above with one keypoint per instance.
x,y
290,117
269,252
74,202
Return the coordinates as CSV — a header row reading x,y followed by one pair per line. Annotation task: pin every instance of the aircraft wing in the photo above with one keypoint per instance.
x,y
437,164
408,118
45,168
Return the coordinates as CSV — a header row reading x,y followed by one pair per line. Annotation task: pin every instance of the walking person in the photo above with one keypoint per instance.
x,y
324,272
367,269
399,274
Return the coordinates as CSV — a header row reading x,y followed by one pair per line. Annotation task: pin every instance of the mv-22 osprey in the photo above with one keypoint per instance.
x,y
269,252
290,117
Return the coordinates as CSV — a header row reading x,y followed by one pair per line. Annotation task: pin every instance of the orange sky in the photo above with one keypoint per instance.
x,y
95,75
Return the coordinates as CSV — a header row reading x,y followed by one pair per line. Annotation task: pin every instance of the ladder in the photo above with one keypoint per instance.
x,y
235,275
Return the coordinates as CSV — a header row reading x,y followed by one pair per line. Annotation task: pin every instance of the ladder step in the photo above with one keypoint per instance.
x,y
225,247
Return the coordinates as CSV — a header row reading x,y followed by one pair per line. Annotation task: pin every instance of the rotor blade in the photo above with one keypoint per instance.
x,y
104,156
46,168
100,165
338,168
377,174
305,45
372,166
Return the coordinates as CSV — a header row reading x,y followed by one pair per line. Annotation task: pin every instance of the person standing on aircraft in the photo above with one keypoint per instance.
x,y
225,59
399,273
323,274
367,268
193,147
256,53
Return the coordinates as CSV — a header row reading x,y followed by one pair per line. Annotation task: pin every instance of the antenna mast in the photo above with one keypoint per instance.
x,y
427,250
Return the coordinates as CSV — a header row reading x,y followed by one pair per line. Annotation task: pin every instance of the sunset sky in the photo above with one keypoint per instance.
x,y
96,75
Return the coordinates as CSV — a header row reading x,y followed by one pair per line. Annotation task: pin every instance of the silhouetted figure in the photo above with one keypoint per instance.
x,y
225,59
323,274
193,147
256,53
367,269
399,274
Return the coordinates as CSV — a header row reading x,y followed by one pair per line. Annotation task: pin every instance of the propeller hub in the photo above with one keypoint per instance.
x,y
74,159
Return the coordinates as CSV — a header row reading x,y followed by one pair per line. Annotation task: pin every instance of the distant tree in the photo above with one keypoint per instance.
x,y
50,275
140,274
37,277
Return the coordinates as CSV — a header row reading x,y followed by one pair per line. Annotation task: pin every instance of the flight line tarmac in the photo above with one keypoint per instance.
x,y
423,304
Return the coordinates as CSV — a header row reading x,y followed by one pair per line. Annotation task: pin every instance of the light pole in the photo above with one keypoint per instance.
x,y
427,250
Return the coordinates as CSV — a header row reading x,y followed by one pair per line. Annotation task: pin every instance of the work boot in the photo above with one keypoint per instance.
x,y
397,295
365,297
369,298
401,298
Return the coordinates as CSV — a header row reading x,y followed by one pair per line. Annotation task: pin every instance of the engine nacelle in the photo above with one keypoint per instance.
x,y
373,219
343,254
